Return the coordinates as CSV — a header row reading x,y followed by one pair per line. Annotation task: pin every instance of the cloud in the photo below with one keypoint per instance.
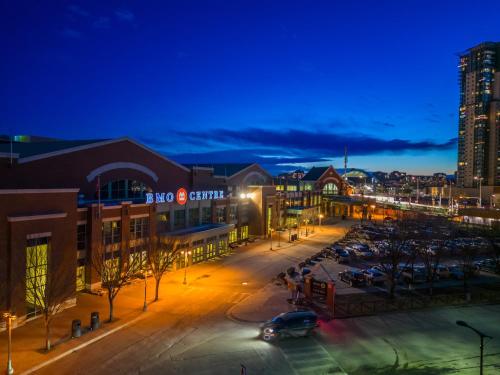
x,y
101,22
71,33
124,15
384,123
75,9
329,144
278,149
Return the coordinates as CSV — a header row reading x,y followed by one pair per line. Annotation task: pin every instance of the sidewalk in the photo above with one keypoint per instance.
x,y
29,339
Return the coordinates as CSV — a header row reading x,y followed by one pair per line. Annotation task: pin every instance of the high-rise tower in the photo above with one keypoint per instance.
x,y
479,116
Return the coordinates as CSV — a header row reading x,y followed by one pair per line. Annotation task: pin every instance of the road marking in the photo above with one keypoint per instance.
x,y
81,346
307,356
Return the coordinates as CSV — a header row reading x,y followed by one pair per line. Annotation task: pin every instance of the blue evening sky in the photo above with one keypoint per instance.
x,y
283,83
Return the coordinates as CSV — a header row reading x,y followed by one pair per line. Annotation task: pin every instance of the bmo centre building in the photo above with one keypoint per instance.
x,y
67,198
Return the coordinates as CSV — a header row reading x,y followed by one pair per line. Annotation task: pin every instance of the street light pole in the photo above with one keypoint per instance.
x,y
271,237
482,336
186,253
8,320
145,306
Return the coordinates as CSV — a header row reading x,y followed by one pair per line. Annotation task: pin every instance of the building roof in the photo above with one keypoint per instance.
x,y
314,173
226,170
27,149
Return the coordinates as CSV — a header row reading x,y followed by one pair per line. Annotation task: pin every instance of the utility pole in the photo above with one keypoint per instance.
x,y
345,163
418,192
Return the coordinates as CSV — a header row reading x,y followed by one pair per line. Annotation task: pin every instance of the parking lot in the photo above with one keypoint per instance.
x,y
419,256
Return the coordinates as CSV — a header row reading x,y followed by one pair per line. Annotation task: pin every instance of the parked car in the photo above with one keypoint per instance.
x,y
342,256
413,275
443,271
374,276
456,272
353,277
289,324
488,265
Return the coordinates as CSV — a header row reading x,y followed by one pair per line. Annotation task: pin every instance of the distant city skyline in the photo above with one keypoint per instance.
x,y
287,85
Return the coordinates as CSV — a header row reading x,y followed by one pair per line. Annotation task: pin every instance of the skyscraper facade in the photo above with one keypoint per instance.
x,y
479,116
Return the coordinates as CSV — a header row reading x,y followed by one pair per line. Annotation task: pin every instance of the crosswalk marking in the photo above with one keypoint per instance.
x,y
307,357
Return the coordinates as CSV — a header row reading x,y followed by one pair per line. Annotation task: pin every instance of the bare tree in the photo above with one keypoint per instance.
x,y
398,250
161,253
434,248
48,285
113,271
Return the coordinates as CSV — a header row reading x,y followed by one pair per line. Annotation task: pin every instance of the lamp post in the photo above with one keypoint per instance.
x,y
320,216
279,237
186,253
145,306
8,320
271,237
482,336
480,179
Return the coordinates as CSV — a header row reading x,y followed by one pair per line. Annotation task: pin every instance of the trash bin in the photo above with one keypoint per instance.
x,y
76,328
94,320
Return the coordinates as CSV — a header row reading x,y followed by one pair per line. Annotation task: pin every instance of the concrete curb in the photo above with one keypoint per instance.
x,y
81,346
229,312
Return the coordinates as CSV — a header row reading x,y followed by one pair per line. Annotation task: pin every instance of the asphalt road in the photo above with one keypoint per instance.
x,y
188,332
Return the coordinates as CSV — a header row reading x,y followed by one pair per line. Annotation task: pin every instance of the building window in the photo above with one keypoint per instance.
x,y
163,222
221,214
233,236
222,246
206,215
137,260
36,274
330,188
111,232
210,250
244,232
139,228
179,219
124,189
81,237
198,254
194,217
80,278
233,213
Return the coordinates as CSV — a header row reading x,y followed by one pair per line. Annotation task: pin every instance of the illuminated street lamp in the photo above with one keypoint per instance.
x,y
481,336
186,253
8,320
320,216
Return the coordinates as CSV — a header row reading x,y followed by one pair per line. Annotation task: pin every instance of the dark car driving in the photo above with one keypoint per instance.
x,y
290,324
353,277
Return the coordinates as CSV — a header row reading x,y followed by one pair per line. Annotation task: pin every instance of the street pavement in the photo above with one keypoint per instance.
x,y
211,326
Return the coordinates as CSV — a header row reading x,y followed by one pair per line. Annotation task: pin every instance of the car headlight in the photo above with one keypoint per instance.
x,y
268,330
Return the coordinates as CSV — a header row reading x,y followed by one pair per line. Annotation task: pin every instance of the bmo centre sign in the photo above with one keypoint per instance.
x,y
182,196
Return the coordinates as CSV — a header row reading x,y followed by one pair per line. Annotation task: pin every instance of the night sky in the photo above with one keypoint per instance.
x,y
282,83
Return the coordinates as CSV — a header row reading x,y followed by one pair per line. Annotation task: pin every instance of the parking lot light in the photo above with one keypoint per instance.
x,y
186,253
482,336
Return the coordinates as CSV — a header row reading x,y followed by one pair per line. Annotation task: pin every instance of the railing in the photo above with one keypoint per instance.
x,y
351,306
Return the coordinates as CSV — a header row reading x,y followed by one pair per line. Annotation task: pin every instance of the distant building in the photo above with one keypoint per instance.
x,y
479,116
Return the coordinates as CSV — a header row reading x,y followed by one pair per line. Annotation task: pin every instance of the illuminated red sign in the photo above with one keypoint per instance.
x,y
182,196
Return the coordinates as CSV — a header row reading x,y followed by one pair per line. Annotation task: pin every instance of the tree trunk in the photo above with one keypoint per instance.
x,y
110,300
392,288
47,335
157,288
